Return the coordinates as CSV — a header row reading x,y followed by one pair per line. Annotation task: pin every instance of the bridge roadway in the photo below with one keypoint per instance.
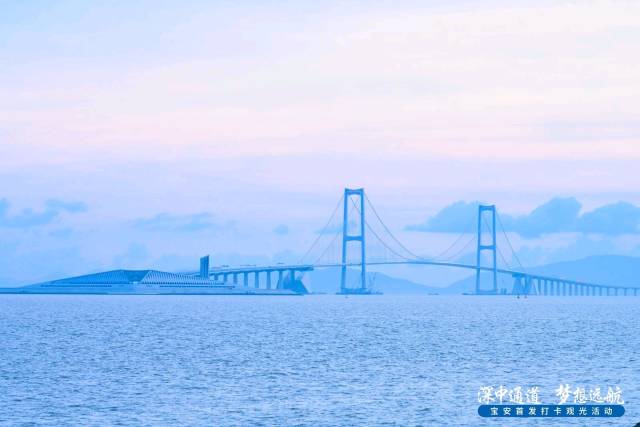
x,y
525,283
225,272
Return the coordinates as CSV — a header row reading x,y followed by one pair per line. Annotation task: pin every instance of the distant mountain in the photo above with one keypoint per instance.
x,y
327,280
614,270
603,269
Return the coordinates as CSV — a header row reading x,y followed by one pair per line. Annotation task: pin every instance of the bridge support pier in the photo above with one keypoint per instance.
x,y
256,283
268,280
517,288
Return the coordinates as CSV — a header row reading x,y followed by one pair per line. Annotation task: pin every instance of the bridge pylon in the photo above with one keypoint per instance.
x,y
359,238
486,247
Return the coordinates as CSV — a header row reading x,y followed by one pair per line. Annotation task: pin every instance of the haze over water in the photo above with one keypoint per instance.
x,y
312,360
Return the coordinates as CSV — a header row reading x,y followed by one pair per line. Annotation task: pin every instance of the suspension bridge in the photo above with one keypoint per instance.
x,y
351,241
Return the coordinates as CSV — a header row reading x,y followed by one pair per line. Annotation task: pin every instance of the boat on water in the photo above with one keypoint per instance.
x,y
149,282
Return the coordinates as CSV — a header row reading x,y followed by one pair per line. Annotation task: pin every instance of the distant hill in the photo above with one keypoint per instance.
x,y
602,269
327,280
615,270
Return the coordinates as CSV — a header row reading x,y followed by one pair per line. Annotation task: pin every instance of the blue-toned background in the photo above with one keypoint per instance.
x,y
143,135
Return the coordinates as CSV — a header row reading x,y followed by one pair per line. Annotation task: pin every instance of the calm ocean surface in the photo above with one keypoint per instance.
x,y
313,360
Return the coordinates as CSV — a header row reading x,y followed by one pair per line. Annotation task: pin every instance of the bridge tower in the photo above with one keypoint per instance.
x,y
483,211
204,267
359,237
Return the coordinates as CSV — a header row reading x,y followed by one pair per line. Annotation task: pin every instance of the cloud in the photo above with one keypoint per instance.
x,y
618,218
29,218
556,216
455,218
559,215
281,230
179,223
62,205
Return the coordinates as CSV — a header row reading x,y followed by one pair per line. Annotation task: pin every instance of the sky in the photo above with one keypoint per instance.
x,y
147,133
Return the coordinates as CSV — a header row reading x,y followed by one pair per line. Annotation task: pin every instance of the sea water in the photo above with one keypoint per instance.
x,y
317,360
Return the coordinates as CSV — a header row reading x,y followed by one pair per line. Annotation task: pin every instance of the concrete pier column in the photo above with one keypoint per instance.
x,y
256,283
245,277
544,287
518,286
279,285
293,275
268,280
